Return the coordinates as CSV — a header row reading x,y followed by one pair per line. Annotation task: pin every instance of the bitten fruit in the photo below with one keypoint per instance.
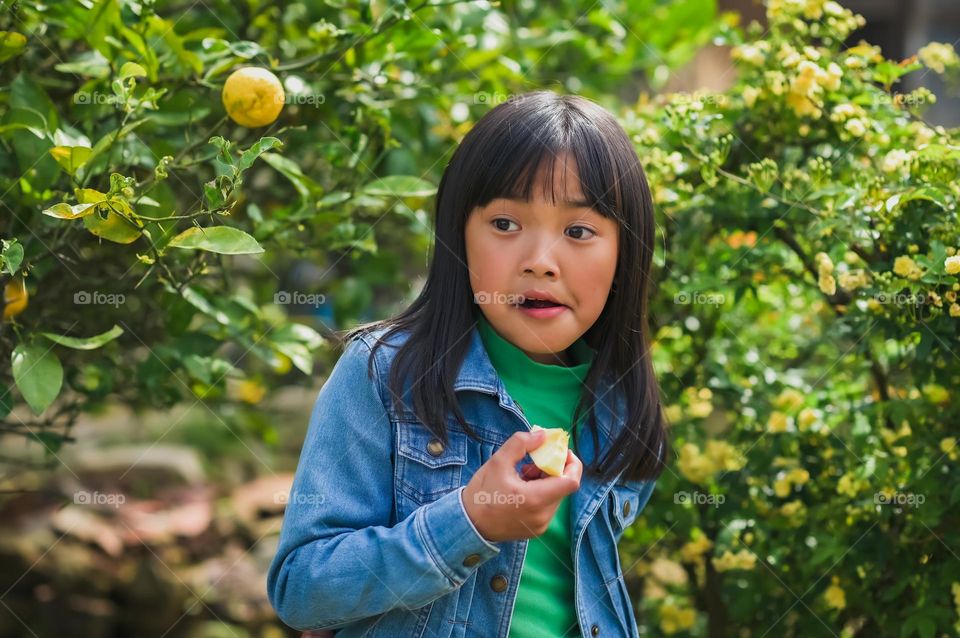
x,y
551,456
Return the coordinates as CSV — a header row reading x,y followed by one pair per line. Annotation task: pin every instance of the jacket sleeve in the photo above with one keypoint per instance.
x,y
338,560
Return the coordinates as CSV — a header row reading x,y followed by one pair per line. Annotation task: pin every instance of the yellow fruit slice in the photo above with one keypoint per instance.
x,y
252,96
551,456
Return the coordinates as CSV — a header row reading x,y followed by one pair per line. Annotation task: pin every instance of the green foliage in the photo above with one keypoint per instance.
x,y
151,231
807,334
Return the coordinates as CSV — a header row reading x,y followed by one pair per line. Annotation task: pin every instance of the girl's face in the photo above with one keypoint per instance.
x,y
565,250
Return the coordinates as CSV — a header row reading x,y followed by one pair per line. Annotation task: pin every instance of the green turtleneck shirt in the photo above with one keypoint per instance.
x,y
547,395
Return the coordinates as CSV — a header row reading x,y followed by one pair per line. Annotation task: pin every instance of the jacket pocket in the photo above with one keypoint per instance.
x,y
426,468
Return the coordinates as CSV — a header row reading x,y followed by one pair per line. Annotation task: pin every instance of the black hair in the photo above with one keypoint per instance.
x,y
500,157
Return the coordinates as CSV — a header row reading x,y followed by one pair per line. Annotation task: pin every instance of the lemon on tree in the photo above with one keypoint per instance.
x,y
252,96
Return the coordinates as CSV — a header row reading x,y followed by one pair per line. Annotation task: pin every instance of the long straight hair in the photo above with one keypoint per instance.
x,y
500,157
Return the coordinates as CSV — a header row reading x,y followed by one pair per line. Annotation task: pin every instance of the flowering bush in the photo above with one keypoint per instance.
x,y
808,329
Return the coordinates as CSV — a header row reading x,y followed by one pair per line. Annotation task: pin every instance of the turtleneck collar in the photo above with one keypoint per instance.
x,y
513,364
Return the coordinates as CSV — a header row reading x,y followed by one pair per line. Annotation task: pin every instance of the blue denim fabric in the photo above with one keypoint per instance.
x,y
376,541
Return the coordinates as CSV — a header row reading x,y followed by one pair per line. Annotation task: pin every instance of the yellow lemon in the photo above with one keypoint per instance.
x,y
252,96
551,456
15,298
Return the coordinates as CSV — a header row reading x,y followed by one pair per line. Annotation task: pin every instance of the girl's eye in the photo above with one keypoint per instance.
x,y
500,221
580,235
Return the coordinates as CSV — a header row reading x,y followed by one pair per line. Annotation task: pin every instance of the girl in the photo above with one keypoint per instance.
x,y
411,513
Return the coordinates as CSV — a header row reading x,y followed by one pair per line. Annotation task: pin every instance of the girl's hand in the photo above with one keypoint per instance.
x,y
504,506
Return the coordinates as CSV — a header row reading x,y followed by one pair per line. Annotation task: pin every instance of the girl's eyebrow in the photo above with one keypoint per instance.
x,y
564,203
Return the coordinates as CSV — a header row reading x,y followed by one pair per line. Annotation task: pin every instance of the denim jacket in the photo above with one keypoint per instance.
x,y
376,541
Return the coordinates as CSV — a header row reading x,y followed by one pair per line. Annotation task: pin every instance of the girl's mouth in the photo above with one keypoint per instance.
x,y
540,309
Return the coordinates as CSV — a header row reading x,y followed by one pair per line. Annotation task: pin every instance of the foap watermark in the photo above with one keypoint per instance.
x,y
96,97
83,497
483,298
697,297
901,298
493,99
699,498
900,499
296,498
304,99
97,298
498,498
297,298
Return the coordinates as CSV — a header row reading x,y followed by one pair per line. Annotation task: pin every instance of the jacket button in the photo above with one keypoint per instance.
x,y
435,447
471,560
498,583
594,630
626,509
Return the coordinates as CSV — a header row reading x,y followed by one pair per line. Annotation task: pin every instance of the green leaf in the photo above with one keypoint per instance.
x,y
11,45
131,70
217,239
114,221
71,158
929,193
88,343
90,63
12,255
291,170
400,186
38,375
250,155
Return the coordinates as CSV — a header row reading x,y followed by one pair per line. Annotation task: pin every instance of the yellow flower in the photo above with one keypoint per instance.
x,y
777,81
834,595
855,127
782,487
674,619
777,422
848,486
827,284
744,559
938,56
824,263
907,268
750,95
790,399
854,279
693,551
831,81
806,418
791,509
897,159
798,476
693,465
754,54
724,456
952,265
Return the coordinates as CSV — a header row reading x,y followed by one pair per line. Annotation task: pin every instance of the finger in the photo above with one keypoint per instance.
x,y
517,446
550,489
574,467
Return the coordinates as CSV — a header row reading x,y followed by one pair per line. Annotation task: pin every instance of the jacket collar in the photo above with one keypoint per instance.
x,y
478,374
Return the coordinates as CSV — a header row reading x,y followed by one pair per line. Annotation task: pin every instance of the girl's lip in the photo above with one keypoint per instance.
x,y
541,313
